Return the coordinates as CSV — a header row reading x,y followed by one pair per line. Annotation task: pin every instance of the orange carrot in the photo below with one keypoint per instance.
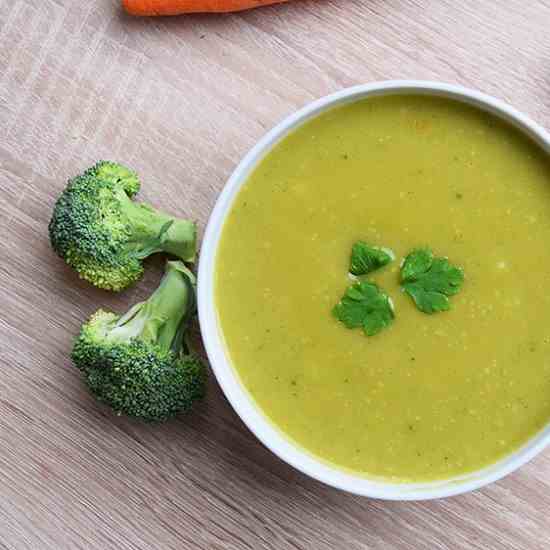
x,y
176,7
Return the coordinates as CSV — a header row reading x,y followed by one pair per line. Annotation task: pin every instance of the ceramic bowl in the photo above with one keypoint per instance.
x,y
226,375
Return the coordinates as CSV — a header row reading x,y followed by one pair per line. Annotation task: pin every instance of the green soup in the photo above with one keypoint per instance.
x,y
433,396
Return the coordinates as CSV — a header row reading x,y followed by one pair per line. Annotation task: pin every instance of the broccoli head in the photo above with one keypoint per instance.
x,y
101,232
139,363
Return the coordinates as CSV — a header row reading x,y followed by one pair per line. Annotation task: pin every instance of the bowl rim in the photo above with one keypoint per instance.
x,y
238,396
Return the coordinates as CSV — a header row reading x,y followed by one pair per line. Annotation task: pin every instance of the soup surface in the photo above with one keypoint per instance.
x,y
432,396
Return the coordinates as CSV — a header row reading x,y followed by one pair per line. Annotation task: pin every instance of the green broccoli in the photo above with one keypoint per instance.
x,y
139,363
101,232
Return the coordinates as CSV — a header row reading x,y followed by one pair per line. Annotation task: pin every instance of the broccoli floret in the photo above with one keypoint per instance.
x,y
101,232
139,363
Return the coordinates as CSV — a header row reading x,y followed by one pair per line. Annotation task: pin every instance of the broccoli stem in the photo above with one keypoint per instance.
x,y
159,319
180,240
154,231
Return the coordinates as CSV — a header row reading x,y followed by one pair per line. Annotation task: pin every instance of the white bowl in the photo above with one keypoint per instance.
x,y
236,393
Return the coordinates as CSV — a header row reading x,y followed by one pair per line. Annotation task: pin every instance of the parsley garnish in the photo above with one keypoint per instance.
x,y
366,258
430,281
365,305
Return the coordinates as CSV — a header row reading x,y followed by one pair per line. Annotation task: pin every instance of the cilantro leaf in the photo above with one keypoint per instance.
x,y
430,281
417,261
366,258
366,306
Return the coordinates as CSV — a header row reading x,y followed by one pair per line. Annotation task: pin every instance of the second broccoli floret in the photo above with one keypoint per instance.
x,y
139,363
101,232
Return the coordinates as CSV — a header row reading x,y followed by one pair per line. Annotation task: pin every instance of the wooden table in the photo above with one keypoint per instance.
x,y
181,100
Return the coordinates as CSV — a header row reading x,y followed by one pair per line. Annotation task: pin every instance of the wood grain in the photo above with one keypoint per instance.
x,y
181,100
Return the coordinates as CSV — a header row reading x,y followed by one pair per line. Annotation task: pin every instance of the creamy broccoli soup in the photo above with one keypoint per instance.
x,y
430,396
